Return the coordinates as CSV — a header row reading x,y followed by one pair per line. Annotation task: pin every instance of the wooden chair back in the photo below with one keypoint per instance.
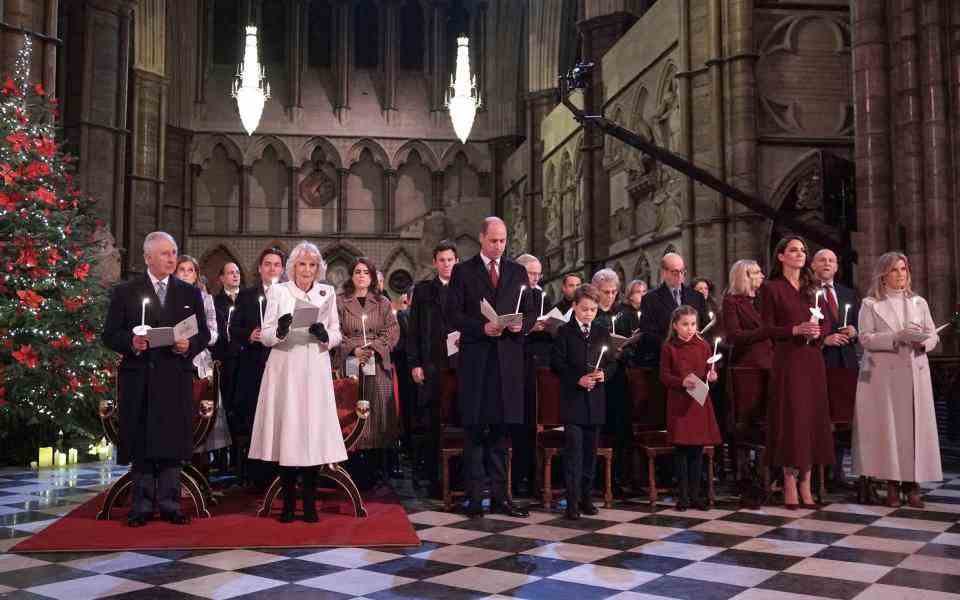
x,y
548,398
648,398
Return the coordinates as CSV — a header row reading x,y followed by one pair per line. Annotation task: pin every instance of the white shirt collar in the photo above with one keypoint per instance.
x,y
827,283
487,261
442,280
155,281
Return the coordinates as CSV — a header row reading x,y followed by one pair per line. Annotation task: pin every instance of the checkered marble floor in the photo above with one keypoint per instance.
x,y
630,552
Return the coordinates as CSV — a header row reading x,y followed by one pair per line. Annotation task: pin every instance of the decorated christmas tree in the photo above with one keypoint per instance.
x,y
53,369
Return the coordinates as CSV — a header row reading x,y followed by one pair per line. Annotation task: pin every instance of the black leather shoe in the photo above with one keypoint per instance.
x,y
137,519
571,514
508,508
311,516
176,518
286,517
587,508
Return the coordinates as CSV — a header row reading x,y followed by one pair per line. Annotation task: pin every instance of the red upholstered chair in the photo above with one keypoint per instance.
x,y
550,439
452,439
842,396
747,401
353,421
650,427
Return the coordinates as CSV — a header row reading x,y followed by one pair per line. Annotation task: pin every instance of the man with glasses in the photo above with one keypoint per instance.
x,y
659,304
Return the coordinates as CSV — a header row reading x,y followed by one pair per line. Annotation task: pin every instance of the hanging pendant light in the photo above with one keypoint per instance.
x,y
250,87
463,99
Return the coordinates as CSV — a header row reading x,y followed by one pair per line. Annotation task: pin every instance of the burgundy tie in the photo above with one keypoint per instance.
x,y
832,302
494,276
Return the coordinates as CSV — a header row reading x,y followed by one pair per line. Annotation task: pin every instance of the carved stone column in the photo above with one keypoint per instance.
x,y
342,199
38,19
204,46
246,174
439,73
538,106
389,56
937,215
872,111
95,119
479,41
390,197
293,204
296,49
343,30
194,181
599,34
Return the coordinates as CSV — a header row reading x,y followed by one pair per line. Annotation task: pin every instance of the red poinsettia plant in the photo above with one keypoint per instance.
x,y
53,369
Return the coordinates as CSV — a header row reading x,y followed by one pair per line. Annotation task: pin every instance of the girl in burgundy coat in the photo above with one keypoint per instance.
x,y
690,426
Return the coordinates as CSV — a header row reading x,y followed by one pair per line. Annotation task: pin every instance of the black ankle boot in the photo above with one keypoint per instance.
x,y
288,481
310,495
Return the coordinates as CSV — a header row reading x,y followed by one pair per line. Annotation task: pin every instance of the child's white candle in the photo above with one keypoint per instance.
x,y
846,313
363,321
260,300
522,287
143,312
599,358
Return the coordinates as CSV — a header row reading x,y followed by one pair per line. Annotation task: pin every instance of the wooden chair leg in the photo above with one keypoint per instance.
x,y
447,496
510,474
608,482
710,488
547,482
652,477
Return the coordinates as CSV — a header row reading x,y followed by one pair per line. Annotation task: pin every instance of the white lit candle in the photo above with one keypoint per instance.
x,y
816,300
229,319
599,358
260,300
543,297
613,324
72,456
638,316
846,313
716,346
522,287
143,312
363,325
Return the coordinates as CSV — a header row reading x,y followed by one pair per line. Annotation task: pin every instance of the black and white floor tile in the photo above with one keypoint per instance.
x,y
632,552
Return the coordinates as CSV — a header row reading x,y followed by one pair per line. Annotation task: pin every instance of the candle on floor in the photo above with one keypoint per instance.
x,y
45,457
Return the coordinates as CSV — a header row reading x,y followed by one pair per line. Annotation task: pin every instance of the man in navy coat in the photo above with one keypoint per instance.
x,y
491,363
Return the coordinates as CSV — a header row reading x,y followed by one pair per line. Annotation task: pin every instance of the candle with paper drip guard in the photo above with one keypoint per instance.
x,y
599,358
713,360
522,287
142,328
713,320
260,301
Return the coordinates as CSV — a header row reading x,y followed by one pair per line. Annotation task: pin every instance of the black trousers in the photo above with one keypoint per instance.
x,y
485,442
428,402
156,486
580,461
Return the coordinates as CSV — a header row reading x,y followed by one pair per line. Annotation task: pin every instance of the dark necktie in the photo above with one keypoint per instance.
x,y
832,303
586,331
162,292
676,297
494,275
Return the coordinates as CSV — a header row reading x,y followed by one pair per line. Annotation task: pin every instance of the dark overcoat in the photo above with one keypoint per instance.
x,y
573,357
155,386
251,358
490,370
841,357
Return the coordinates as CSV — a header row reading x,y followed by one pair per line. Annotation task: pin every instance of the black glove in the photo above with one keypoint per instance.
x,y
283,325
318,331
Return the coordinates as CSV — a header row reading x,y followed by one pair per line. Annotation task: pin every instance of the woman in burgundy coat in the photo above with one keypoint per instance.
x,y
690,426
798,417
742,323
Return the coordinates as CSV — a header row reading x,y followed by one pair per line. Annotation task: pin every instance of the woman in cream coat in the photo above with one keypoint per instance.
x,y
895,427
296,424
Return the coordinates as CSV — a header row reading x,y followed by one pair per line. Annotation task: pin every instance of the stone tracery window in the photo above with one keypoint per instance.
x,y
217,204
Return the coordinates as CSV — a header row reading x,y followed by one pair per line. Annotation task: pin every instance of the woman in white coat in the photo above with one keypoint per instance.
x,y
894,426
296,423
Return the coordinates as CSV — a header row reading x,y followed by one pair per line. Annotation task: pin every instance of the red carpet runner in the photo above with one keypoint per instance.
x,y
234,524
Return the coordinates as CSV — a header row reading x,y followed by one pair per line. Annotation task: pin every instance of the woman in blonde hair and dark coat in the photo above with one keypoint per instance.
x,y
894,424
